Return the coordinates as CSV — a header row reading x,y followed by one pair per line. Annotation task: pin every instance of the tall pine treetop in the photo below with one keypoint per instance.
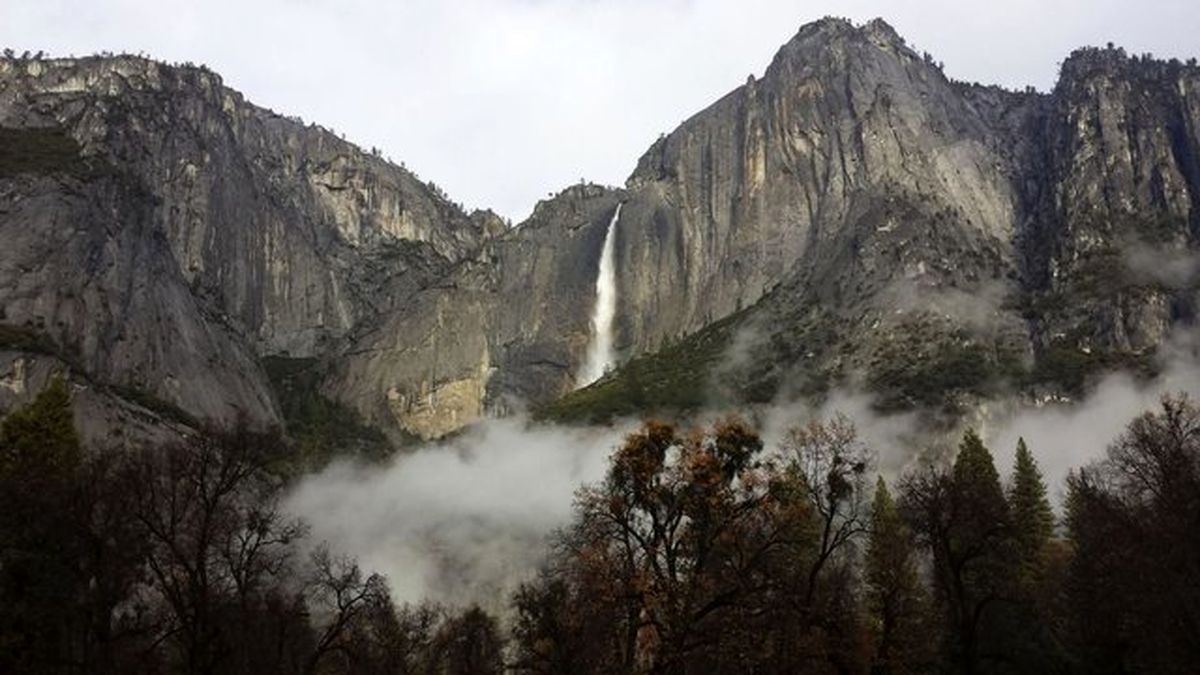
x,y
975,467
883,503
977,493
1033,519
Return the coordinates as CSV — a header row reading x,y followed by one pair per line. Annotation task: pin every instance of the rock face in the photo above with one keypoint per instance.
x,y
1117,260
720,211
852,215
507,326
843,119
180,232
929,240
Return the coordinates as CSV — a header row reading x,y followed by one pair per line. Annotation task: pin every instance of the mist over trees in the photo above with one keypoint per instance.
x,y
178,559
701,551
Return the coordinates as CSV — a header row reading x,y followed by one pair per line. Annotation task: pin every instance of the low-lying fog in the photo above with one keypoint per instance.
x,y
465,520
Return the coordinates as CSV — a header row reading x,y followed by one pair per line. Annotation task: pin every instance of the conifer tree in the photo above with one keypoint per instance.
x,y
39,457
41,436
1033,519
896,599
980,544
978,497
962,517
1037,570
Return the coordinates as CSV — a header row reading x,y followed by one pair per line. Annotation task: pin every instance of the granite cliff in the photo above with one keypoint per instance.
x,y
162,234
949,242
850,217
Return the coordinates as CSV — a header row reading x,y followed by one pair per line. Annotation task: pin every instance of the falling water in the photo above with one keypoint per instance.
x,y
600,351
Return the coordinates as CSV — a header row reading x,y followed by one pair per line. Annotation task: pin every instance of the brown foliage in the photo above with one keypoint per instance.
x,y
699,552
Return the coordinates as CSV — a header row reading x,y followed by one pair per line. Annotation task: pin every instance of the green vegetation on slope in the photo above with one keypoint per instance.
x,y
25,339
922,367
1062,363
321,428
918,366
675,378
40,151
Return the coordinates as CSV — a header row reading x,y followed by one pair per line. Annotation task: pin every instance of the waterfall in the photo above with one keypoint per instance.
x,y
600,355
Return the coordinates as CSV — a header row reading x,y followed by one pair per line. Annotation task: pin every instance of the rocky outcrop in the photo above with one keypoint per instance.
x,y
851,216
105,418
845,117
1117,263
507,326
205,232
85,266
947,241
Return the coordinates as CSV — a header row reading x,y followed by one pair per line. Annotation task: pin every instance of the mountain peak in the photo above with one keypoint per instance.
x,y
851,181
838,41
880,29
836,28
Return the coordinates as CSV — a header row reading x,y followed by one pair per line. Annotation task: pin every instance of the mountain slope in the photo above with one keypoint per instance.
x,y
507,326
729,205
1023,242
203,232
851,218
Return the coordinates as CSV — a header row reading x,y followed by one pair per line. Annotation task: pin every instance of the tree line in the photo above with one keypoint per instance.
x,y
179,559
701,551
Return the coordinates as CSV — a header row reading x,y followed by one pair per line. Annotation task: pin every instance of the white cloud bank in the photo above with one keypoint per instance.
x,y
465,520
1062,437
460,521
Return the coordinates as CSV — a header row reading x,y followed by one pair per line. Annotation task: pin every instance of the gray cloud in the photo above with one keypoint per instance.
x,y
1064,436
503,101
1170,266
896,439
457,522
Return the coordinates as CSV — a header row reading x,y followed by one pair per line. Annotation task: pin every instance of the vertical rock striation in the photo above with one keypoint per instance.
x,y
206,233
505,327
851,215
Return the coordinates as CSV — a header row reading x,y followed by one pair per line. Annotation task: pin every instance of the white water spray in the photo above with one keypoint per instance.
x,y
600,355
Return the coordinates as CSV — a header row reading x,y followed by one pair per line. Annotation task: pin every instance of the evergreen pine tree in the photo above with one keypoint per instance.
x,y
896,599
39,458
40,438
977,569
1033,519
976,491
1032,614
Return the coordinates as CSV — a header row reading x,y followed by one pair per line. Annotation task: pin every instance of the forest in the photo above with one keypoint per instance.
x,y
702,551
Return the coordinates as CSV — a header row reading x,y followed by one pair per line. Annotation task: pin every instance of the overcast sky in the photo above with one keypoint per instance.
x,y
504,101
